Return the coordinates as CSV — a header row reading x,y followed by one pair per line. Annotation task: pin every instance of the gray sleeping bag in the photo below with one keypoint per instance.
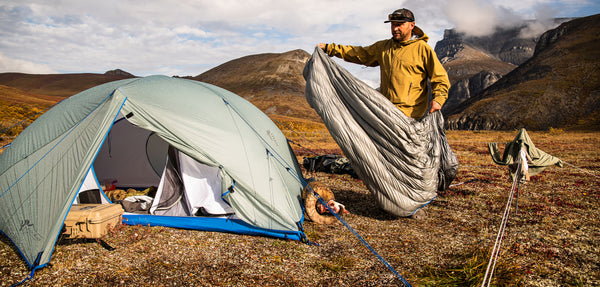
x,y
402,161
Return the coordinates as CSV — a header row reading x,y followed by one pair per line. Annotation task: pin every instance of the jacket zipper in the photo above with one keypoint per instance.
x,y
408,94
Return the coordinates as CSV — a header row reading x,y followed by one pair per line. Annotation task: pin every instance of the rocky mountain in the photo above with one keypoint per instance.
x,y
559,86
471,71
474,63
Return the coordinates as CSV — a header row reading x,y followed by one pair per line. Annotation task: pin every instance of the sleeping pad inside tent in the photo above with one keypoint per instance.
x,y
212,160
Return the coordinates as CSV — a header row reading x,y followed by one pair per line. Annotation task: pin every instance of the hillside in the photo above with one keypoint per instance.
x,y
272,82
558,87
14,96
24,96
60,85
18,109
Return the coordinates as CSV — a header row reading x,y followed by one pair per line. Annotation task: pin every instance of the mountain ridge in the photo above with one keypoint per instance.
x,y
561,76
60,85
271,81
558,87
474,63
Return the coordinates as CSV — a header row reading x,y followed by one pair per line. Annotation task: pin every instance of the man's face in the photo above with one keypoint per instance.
x,y
402,31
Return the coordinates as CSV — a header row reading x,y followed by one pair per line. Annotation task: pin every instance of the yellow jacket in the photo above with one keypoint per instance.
x,y
405,68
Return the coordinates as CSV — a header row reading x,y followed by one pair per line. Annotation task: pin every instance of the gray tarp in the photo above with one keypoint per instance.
x,y
539,160
400,159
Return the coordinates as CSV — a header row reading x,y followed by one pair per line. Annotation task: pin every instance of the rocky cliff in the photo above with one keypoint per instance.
x,y
559,86
474,63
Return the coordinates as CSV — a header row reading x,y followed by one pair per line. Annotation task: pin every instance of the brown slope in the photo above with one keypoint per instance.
x,y
60,85
18,109
11,95
558,87
273,82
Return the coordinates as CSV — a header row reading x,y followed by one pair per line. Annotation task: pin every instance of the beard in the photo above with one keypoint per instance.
x,y
398,37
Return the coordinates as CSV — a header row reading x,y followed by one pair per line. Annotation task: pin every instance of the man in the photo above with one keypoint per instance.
x,y
406,61
406,64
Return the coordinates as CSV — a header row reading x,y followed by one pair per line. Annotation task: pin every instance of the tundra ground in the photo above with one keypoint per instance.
x,y
551,240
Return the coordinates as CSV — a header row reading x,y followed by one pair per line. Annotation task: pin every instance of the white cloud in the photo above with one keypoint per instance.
x,y
188,37
480,18
21,66
187,30
146,37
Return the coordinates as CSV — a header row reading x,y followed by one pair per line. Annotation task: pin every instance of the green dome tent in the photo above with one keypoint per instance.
x,y
122,131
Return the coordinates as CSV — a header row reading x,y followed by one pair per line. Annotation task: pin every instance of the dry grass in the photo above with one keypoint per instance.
x,y
551,241
18,109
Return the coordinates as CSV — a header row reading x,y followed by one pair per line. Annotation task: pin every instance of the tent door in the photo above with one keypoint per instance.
x,y
131,156
189,188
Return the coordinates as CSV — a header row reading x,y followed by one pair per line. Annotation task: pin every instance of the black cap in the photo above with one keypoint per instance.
x,y
401,15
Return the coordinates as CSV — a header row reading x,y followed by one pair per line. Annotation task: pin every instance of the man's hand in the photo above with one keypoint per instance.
x,y
322,46
435,106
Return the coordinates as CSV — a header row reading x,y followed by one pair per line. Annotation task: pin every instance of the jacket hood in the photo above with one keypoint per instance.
x,y
419,33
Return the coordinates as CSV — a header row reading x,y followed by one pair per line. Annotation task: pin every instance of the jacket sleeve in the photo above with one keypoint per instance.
x,y
367,56
440,84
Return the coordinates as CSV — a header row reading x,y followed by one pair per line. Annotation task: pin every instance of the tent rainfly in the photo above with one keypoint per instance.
x,y
218,162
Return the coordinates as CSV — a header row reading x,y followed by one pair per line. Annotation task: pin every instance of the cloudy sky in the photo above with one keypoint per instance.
x,y
188,37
